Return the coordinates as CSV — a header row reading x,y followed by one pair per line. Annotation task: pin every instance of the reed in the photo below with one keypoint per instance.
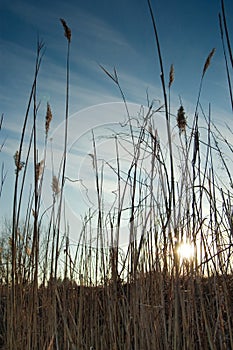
x,y
101,296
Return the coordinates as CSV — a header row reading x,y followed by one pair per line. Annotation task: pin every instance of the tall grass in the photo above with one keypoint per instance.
x,y
145,296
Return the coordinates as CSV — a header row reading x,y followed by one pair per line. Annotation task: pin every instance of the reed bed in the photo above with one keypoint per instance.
x,y
145,296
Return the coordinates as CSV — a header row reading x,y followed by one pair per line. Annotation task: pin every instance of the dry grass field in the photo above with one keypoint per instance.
x,y
151,295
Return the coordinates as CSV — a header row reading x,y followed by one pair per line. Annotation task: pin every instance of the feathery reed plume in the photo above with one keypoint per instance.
x,y
1,120
28,250
39,169
171,76
55,185
48,119
66,29
19,165
207,62
181,119
93,159
10,241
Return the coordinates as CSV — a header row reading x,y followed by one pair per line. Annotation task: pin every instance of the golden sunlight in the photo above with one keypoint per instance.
x,y
185,251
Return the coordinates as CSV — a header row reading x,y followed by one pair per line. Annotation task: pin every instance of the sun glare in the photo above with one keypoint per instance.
x,y
185,251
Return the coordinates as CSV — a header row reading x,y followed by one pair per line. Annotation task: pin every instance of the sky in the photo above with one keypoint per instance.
x,y
112,34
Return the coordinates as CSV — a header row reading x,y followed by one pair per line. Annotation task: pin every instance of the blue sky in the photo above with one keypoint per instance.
x,y
111,33
114,34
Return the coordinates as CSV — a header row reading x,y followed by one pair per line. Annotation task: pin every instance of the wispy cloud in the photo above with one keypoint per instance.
x,y
95,40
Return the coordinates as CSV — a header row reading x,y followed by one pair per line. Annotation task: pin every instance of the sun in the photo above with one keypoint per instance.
x,y
185,251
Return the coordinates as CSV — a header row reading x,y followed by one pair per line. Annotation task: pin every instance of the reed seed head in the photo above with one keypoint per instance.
x,y
19,165
10,241
181,119
55,185
93,160
28,250
171,76
66,29
207,62
1,121
39,169
48,119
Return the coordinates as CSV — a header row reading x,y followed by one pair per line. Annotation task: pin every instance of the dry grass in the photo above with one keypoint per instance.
x,y
153,311
147,297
